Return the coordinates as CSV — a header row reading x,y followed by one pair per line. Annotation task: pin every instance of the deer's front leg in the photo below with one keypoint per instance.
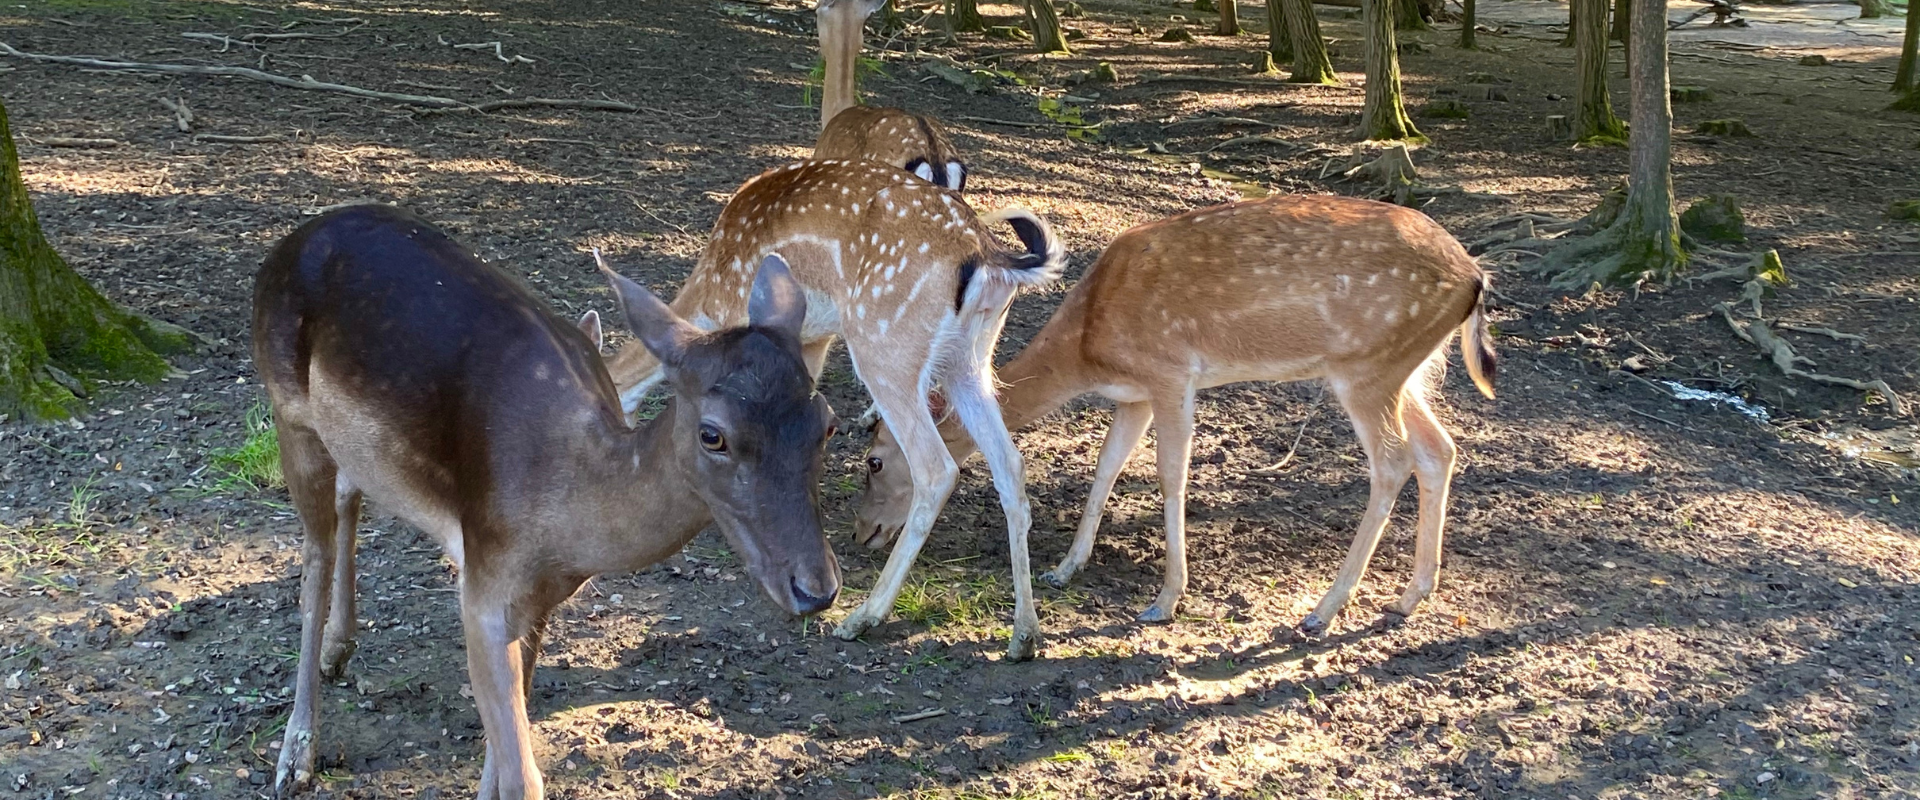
x,y
495,660
1130,422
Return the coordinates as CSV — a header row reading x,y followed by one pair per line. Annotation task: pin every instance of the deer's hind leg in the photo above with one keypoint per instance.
x,y
1433,459
972,397
338,644
1375,409
312,476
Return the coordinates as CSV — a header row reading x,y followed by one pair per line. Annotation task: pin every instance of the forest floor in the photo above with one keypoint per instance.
x,y
1645,596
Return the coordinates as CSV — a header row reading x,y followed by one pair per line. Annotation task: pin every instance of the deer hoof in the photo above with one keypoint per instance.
x,y
1054,579
851,628
294,773
1313,626
1025,645
334,657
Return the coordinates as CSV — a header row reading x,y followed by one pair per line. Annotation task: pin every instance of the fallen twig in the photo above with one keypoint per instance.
x,y
77,141
496,47
229,139
226,42
1271,84
1827,332
1009,123
930,714
307,83
1284,460
1220,120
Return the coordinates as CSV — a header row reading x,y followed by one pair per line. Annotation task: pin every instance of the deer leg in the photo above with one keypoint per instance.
x,y
1174,431
1433,458
1130,422
530,655
310,473
973,399
1376,419
342,624
933,474
495,660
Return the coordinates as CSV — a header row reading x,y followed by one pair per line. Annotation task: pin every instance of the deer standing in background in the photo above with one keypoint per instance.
x,y
403,368
1363,295
912,142
919,288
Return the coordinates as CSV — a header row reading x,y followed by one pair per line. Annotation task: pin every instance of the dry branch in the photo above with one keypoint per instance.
x,y
1246,140
1777,350
229,139
1220,120
307,83
182,116
77,141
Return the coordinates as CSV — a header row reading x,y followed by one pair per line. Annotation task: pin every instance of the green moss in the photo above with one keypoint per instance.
x,y
1715,218
1445,109
1603,140
1908,210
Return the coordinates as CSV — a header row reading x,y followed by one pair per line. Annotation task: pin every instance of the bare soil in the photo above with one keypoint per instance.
x,y
1644,597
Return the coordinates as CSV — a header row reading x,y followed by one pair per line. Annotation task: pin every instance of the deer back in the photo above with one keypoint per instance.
x,y
912,142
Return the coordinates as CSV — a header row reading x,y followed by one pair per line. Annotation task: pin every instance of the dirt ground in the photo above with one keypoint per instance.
x,y
1644,596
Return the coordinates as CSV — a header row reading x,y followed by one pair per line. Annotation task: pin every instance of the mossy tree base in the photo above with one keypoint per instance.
x,y
1048,35
1637,240
1911,102
964,16
56,332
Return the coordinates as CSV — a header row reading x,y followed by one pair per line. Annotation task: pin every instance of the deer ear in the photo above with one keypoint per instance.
x,y
590,325
664,333
778,300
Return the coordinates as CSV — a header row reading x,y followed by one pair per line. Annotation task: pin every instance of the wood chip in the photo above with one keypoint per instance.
x,y
937,712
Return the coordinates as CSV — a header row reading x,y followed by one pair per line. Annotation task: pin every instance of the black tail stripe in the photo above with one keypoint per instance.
x,y
967,268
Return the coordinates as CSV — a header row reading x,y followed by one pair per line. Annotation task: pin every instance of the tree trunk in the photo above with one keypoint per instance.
x,y
1279,32
56,332
1873,9
1573,22
1048,36
1593,117
1466,25
1384,117
1407,16
1310,61
1621,32
891,20
1229,18
1904,79
1642,242
963,16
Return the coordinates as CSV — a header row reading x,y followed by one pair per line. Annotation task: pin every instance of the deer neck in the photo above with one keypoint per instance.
x,y
841,29
632,486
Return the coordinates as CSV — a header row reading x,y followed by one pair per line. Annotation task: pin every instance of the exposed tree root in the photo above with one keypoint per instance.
x,y
1787,361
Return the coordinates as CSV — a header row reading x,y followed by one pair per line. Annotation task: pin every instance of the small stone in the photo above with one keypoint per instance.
x,y
1690,94
1724,127
1177,35
1815,60
1762,778
1715,218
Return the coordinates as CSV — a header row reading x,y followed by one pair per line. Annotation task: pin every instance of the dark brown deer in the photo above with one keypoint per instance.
x,y
1362,295
402,367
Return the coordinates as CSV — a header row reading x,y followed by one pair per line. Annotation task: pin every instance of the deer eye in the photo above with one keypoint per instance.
x,y
874,465
711,439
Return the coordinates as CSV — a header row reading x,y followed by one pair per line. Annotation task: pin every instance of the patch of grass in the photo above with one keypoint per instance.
x,y
1069,757
56,543
255,463
954,602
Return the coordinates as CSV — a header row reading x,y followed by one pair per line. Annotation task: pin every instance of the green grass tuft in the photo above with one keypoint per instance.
x,y
255,464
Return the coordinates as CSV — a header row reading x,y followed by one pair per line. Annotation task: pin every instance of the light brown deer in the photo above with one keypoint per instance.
x,y
919,288
402,368
912,142
1363,295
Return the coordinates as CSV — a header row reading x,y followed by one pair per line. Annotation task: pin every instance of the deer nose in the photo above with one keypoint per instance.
x,y
806,603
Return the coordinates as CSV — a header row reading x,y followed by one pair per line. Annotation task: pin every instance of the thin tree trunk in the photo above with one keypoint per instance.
x,y
1229,18
1904,79
1279,32
1621,31
1384,117
1593,110
1466,25
963,16
1048,36
1572,22
1642,242
1653,234
1873,9
1407,16
1310,61
55,330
